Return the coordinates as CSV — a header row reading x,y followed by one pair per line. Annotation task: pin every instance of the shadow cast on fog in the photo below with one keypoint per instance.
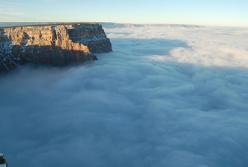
x,y
126,112
143,47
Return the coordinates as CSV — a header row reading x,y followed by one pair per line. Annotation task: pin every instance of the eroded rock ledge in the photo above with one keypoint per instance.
x,y
55,44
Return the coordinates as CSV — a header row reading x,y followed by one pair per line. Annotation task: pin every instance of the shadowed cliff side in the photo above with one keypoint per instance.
x,y
7,61
56,44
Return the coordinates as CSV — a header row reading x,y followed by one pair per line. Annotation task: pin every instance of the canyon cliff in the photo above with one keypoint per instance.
x,y
54,44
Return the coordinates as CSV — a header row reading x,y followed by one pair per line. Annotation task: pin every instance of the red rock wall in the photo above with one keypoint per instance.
x,y
54,44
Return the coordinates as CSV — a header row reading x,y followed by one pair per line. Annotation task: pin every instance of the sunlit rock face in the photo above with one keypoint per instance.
x,y
56,44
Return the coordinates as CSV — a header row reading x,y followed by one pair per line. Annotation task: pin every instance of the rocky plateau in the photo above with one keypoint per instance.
x,y
54,44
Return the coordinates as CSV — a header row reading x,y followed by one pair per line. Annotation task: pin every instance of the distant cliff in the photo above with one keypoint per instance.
x,y
54,44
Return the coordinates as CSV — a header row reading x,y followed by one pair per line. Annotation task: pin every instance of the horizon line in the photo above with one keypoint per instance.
x,y
130,23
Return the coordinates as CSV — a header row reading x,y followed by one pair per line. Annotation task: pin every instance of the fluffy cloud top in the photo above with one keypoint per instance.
x,y
167,96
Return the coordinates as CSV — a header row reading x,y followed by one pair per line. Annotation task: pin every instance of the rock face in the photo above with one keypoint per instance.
x,y
56,44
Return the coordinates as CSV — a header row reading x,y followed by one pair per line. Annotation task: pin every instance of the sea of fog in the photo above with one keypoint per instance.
x,y
167,96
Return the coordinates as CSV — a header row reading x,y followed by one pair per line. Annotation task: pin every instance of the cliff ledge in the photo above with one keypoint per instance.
x,y
54,44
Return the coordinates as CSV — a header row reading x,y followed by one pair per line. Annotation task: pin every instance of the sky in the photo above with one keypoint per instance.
x,y
202,12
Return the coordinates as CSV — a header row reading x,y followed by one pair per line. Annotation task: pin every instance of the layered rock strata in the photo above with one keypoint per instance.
x,y
56,44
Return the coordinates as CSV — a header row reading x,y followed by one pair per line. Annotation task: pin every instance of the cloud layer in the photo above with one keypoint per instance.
x,y
167,96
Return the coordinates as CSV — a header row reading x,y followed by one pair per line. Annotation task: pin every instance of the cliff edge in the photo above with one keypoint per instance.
x,y
55,44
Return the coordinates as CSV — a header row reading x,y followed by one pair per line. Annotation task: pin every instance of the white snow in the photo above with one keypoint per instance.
x,y
173,96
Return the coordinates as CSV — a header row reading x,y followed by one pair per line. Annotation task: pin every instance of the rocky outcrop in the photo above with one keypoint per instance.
x,y
55,44
7,63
